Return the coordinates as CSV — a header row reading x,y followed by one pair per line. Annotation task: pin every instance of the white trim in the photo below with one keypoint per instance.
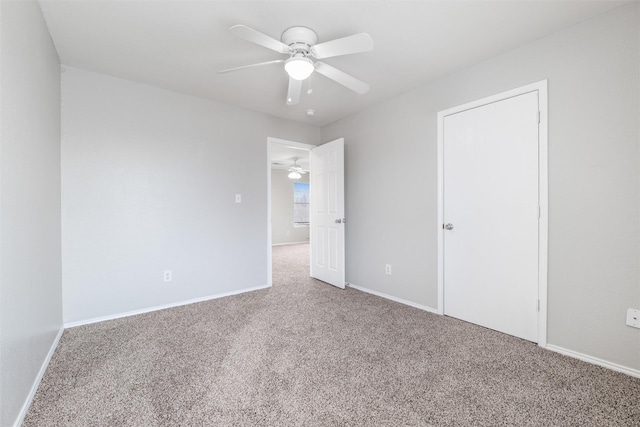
x,y
269,231
595,361
543,197
290,243
271,140
543,202
288,143
36,382
440,214
161,307
392,298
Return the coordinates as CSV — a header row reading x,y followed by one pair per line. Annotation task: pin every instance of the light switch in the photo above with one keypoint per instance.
x,y
238,198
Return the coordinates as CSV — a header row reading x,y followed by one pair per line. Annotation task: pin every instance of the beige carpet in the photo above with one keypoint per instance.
x,y
304,353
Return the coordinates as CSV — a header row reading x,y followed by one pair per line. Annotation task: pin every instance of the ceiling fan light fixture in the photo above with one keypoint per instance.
x,y
299,67
294,175
301,44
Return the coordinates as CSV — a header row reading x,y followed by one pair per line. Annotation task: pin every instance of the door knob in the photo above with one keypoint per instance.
x,y
341,221
449,226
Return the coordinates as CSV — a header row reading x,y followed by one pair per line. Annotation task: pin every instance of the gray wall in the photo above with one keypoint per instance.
x,y
391,170
30,277
149,179
282,229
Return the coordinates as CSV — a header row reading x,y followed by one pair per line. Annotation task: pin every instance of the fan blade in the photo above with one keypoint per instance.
x,y
251,65
353,44
343,78
293,94
257,37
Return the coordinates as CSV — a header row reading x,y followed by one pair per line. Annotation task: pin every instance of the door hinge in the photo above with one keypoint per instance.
x,y
538,305
538,117
538,212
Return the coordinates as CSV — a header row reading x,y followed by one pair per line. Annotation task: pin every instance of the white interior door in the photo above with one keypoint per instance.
x,y
326,187
491,212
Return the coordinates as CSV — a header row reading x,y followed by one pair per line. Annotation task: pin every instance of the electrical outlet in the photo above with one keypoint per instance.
x,y
633,318
387,269
167,276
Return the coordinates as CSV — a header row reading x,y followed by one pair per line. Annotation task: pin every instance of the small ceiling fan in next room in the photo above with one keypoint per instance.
x,y
295,170
300,44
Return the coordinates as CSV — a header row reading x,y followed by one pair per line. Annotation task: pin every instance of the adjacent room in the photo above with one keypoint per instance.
x,y
319,213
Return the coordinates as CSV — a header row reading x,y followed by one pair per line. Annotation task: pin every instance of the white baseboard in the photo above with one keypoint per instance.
x,y
392,298
160,307
290,243
595,360
36,382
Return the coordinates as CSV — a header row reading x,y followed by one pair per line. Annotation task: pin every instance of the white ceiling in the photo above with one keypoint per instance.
x,y
179,45
282,157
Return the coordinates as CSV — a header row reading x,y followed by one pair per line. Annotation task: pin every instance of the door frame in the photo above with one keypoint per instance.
x,y
543,194
270,141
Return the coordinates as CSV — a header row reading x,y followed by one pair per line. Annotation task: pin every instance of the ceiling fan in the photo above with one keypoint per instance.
x,y
295,170
300,44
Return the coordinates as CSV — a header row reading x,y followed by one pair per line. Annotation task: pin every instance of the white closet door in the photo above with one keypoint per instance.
x,y
491,213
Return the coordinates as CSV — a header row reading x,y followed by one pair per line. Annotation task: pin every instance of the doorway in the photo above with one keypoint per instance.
x,y
492,240
326,216
281,155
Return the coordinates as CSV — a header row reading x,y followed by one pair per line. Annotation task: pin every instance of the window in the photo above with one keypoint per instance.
x,y
301,203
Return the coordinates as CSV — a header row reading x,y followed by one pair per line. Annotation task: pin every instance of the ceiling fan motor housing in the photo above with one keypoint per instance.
x,y
299,38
